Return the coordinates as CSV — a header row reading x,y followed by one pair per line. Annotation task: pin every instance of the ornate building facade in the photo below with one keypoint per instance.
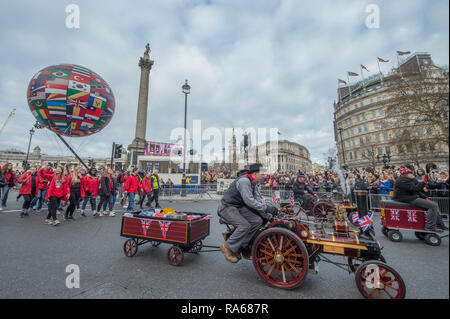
x,y
368,131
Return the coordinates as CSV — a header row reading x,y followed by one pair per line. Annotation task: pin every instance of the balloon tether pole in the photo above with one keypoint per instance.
x,y
76,155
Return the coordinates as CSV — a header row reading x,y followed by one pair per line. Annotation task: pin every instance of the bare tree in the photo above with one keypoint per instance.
x,y
419,100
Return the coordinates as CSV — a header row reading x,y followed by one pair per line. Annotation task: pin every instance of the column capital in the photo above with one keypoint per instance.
x,y
145,64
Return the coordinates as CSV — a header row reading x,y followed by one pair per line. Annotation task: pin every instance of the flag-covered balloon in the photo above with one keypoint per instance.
x,y
70,100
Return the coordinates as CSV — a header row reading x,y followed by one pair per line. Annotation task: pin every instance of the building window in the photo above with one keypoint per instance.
x,y
385,136
361,141
356,155
367,139
359,129
363,153
380,151
378,138
388,149
361,104
379,99
363,116
357,118
351,155
371,100
353,133
376,126
365,128
374,114
348,143
429,131
400,149
380,112
420,131
353,142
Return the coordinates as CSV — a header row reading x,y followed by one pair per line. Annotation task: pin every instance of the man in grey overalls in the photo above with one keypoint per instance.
x,y
243,207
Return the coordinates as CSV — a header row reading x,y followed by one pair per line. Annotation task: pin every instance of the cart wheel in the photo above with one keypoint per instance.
x,y
175,256
384,231
395,236
376,280
432,239
130,247
280,258
155,243
420,235
196,247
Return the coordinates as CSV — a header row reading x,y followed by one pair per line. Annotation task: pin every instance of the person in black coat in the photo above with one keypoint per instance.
x,y
106,191
407,190
302,192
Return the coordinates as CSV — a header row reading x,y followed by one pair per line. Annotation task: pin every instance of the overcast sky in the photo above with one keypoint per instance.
x,y
261,64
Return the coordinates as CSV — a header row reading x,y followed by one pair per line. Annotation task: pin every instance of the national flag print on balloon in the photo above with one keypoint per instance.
x,y
164,225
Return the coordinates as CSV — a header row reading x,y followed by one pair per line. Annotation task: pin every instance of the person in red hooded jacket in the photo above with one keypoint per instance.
x,y
147,187
90,184
45,174
58,190
29,189
131,187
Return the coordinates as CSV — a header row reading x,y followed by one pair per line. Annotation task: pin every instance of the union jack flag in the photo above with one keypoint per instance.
x,y
164,225
395,214
291,198
355,217
274,199
412,216
365,222
77,103
145,225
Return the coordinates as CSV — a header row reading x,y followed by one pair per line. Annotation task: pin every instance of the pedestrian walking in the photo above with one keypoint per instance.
x,y
131,187
106,191
45,174
91,185
75,193
147,190
29,189
58,190
155,188
10,182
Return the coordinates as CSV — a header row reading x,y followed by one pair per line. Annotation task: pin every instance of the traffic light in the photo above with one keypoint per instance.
x,y
91,163
118,151
23,164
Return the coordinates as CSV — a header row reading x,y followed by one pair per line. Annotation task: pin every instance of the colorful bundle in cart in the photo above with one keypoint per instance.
x,y
71,100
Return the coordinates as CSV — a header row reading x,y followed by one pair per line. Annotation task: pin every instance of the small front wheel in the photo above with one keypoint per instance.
x,y
175,256
432,239
376,280
130,247
395,236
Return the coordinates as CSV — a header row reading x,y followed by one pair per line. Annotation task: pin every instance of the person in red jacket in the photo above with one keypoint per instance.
x,y
131,187
45,174
56,192
147,187
10,182
29,189
90,184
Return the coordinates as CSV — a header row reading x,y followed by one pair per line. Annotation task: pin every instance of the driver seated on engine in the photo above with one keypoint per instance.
x,y
302,192
243,207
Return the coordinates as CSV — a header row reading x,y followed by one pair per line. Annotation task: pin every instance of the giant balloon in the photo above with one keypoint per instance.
x,y
70,100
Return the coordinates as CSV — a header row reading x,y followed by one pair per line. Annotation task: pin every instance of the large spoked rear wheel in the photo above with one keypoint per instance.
x,y
280,258
376,280
175,256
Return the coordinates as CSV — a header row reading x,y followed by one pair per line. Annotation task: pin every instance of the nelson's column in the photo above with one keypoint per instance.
x,y
138,146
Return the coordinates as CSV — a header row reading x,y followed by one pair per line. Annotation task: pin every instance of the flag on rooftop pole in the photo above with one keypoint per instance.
x,y
403,53
341,81
361,67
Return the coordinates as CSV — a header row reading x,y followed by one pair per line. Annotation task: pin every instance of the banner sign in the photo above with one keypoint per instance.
x,y
163,149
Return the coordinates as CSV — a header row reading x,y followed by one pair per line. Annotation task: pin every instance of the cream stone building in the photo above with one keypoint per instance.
x,y
282,157
365,131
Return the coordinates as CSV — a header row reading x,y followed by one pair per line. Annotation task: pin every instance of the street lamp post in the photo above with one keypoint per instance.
x,y
342,144
28,151
186,90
